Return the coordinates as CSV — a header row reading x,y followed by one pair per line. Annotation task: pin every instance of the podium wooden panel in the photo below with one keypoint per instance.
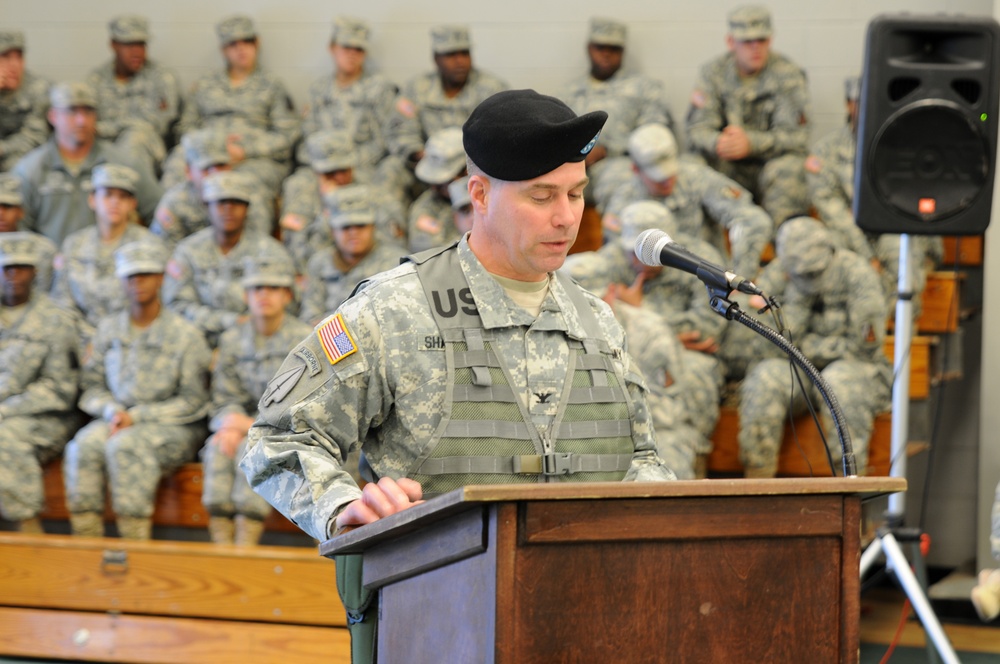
x,y
694,571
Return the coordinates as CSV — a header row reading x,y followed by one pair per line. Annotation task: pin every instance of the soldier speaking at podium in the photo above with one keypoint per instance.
x,y
469,364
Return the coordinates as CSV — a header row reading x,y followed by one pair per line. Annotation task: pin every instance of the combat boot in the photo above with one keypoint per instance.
x,y
700,466
220,529
248,531
31,527
135,527
986,596
86,524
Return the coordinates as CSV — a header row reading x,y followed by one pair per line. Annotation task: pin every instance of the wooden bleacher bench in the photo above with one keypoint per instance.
x,y
110,600
811,461
921,376
178,500
966,250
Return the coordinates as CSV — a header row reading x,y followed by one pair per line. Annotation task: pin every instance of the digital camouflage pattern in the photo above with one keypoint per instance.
x,y
327,286
23,125
431,222
182,212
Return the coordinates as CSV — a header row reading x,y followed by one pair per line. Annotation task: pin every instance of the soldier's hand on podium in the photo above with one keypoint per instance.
x,y
378,500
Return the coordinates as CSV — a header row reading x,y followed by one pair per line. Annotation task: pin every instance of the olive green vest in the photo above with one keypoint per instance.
x,y
486,435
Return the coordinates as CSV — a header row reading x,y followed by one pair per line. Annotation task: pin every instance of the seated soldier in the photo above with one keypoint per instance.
x,y
461,205
38,382
615,273
249,355
145,382
705,204
749,115
24,99
357,253
332,159
85,279
203,275
835,313
11,213
137,99
361,103
182,211
430,220
986,594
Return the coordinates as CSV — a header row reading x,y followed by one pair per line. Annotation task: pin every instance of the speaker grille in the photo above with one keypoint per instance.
x,y
901,86
967,89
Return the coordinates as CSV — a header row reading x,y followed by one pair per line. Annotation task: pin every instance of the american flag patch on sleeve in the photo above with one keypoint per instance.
x,y
335,339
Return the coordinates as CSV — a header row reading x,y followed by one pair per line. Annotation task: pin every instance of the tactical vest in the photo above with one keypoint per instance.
x,y
486,435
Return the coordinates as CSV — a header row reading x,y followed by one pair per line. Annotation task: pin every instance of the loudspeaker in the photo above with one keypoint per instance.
x,y
927,126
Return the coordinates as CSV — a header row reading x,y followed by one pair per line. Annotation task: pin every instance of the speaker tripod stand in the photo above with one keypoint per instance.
x,y
885,541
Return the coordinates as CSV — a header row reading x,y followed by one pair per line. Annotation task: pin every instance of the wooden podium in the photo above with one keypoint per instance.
x,y
693,571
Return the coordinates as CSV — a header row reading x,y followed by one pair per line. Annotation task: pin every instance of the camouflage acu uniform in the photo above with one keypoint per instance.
x,y
46,250
158,375
23,126
327,287
246,362
182,212
431,223
830,175
772,107
38,389
837,319
390,383
85,277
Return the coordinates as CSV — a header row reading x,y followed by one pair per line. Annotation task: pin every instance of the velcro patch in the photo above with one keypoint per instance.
x,y
406,108
698,99
335,339
813,164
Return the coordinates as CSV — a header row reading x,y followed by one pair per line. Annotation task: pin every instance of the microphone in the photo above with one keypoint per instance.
x,y
654,248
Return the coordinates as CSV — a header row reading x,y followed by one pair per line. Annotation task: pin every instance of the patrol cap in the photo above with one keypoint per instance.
x,y
147,256
458,192
129,29
852,88
235,28
69,95
267,271
331,150
205,148
643,216
10,190
115,176
11,40
520,134
804,245
444,157
654,150
750,22
350,205
351,32
607,32
19,248
450,38
228,186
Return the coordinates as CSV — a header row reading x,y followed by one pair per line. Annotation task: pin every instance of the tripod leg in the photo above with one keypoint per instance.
x,y
901,568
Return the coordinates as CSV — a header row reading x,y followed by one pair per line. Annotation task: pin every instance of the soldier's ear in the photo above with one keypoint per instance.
x,y
479,192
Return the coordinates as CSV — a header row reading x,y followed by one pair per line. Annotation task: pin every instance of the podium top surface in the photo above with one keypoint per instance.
x,y
459,500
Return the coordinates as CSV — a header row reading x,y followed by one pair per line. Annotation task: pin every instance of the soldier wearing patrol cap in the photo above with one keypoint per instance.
x,y
249,355
38,382
248,105
356,254
829,172
360,103
56,177
137,99
24,98
85,279
11,213
430,219
704,203
440,99
145,383
834,306
204,273
182,211
629,98
749,116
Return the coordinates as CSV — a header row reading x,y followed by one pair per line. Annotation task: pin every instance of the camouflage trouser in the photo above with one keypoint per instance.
x,y
134,460
225,489
778,185
26,444
391,175
702,390
144,144
859,387
741,347
887,252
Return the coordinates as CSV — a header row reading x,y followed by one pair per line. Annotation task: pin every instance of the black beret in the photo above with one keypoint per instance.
x,y
519,134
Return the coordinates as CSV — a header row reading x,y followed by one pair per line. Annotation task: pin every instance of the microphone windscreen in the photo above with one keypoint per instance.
x,y
648,246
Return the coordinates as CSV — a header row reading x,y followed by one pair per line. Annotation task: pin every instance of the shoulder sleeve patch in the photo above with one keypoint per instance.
x,y
335,339
174,269
406,107
698,99
813,164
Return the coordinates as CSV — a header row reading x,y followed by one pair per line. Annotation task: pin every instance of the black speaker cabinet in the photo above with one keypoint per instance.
x,y
927,129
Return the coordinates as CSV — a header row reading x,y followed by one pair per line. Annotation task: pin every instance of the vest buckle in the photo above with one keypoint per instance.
x,y
556,464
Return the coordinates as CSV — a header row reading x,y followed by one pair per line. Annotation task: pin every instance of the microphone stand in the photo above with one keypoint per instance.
x,y
718,299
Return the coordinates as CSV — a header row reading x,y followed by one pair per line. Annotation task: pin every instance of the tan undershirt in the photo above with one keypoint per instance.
x,y
528,295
